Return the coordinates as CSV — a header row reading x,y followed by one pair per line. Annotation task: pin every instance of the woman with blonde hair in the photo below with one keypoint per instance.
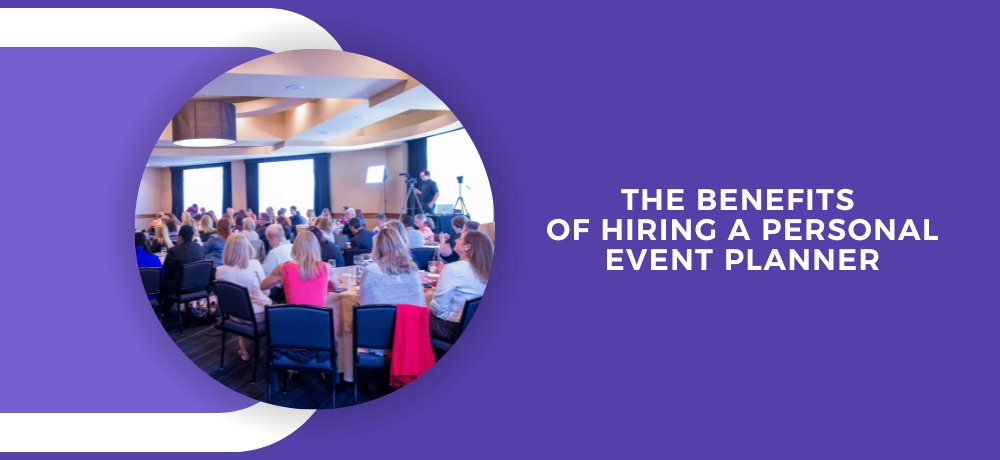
x,y
161,241
325,225
205,229
460,281
304,278
394,278
240,267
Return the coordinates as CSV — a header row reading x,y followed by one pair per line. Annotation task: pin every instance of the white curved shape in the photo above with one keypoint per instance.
x,y
273,30
252,428
269,29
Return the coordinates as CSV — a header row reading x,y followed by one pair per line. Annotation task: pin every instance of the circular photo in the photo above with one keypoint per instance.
x,y
314,229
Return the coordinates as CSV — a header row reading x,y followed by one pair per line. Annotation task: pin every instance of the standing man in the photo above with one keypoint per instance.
x,y
427,190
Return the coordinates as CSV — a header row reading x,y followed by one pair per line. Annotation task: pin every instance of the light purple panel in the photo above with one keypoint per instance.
x,y
79,335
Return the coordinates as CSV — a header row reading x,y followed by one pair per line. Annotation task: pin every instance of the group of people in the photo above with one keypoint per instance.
x,y
295,269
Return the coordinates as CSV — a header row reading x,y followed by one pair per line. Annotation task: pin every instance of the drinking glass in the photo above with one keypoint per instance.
x,y
357,259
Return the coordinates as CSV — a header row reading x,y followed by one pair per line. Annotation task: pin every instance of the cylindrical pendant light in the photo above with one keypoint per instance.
x,y
205,124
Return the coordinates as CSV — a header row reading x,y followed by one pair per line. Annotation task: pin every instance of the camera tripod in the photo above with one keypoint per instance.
x,y
460,200
406,202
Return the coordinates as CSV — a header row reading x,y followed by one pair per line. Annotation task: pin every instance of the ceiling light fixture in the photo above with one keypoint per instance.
x,y
295,87
205,124
324,132
360,117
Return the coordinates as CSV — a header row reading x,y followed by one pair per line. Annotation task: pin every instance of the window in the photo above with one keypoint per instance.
x,y
283,184
204,187
451,155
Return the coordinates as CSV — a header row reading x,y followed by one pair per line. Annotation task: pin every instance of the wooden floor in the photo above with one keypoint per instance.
x,y
203,344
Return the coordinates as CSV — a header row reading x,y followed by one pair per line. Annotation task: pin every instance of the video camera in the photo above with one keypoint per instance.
x,y
410,180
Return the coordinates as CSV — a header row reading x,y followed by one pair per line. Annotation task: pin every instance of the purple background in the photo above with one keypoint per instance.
x,y
567,105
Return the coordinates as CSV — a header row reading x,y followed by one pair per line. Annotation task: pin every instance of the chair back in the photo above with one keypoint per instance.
x,y
340,241
196,275
374,326
150,279
469,311
258,247
422,256
300,326
234,301
350,253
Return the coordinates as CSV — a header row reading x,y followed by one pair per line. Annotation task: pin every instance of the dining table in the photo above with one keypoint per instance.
x,y
342,304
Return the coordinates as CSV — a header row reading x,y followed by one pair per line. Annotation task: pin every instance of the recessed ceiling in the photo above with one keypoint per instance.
x,y
348,102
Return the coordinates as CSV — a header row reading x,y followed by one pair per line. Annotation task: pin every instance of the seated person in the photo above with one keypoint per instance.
x,y
363,238
448,253
237,223
413,236
426,227
263,222
172,226
205,228
304,277
281,252
460,281
347,230
380,221
144,258
243,269
160,242
185,252
157,221
217,243
325,225
393,278
327,249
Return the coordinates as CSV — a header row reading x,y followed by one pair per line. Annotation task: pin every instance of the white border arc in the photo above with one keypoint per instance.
x,y
273,30
268,29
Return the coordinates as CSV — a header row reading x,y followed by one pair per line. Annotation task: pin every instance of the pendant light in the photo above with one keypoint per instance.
x,y
205,124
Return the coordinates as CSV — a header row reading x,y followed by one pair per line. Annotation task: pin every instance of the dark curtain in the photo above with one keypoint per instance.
x,y
416,153
177,192
227,186
321,179
253,194
417,156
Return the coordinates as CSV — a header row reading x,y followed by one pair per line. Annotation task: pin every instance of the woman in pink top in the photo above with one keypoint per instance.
x,y
304,277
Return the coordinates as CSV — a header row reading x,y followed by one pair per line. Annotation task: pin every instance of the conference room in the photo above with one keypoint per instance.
x,y
314,229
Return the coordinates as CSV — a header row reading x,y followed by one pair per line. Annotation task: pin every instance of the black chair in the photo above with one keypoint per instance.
x,y
422,256
234,302
467,313
195,278
301,327
350,253
374,327
151,283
